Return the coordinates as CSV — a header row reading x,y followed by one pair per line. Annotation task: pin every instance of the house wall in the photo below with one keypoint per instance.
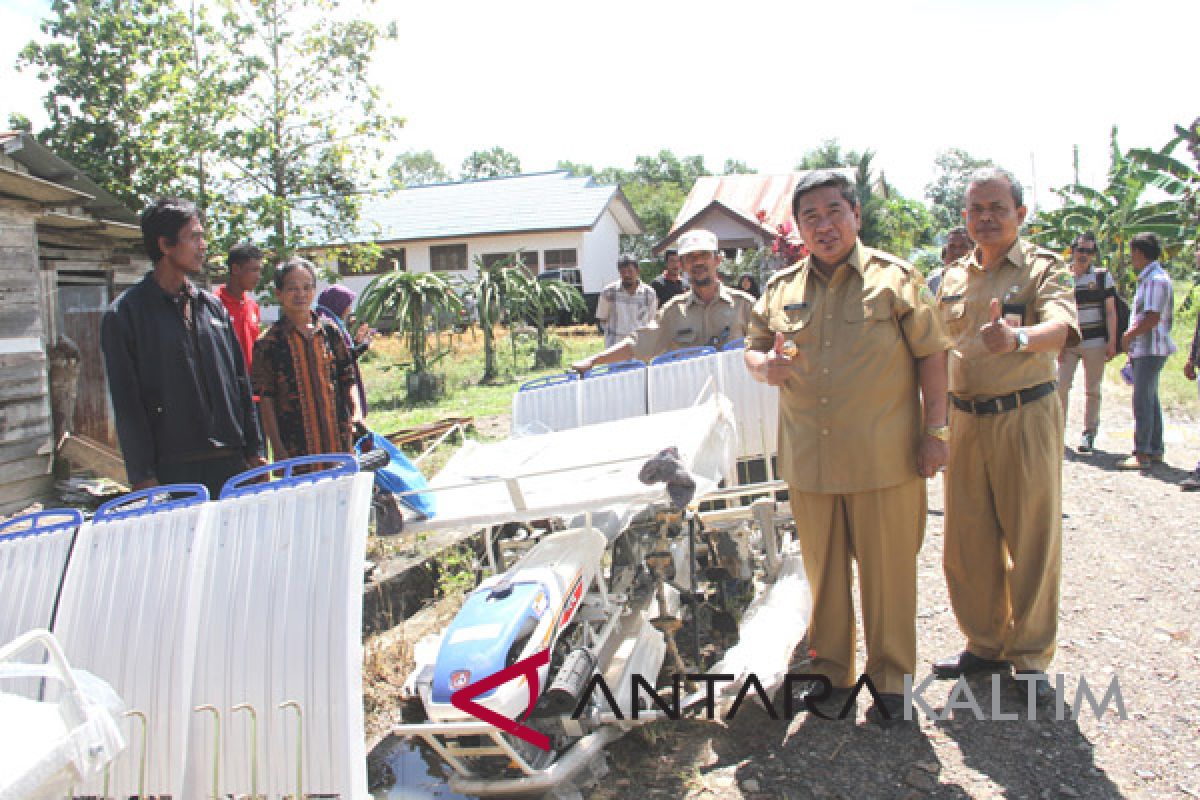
x,y
585,243
729,231
601,248
26,437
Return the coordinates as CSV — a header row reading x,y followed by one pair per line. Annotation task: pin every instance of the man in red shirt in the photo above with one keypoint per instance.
x,y
245,270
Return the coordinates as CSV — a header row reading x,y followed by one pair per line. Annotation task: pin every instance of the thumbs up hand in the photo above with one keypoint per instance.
x,y
998,336
778,365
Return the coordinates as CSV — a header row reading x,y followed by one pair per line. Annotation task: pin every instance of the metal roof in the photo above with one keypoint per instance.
x,y
45,164
545,201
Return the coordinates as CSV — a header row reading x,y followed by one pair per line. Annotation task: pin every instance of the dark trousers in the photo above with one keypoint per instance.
x,y
211,472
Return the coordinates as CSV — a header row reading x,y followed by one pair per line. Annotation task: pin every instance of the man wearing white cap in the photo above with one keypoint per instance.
x,y
708,314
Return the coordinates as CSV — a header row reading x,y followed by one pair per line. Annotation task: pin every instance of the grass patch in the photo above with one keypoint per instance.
x,y
387,362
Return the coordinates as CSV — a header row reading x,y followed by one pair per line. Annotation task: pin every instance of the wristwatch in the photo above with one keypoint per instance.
x,y
1022,340
938,432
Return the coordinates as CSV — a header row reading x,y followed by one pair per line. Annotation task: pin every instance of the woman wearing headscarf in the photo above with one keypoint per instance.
x,y
303,374
335,304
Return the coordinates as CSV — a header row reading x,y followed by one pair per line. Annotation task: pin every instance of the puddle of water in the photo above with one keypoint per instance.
x,y
417,774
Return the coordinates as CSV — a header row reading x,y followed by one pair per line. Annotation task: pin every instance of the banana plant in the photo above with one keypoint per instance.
x,y
1114,213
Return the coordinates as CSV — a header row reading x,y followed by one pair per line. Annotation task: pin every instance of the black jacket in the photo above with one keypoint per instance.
x,y
174,401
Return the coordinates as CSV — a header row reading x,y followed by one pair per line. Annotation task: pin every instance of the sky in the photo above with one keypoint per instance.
x,y
1019,82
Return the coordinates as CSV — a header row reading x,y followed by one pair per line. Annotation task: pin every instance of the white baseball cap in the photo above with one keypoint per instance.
x,y
697,241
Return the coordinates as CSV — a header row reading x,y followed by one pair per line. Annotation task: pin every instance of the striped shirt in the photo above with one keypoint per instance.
x,y
622,312
1092,290
1154,294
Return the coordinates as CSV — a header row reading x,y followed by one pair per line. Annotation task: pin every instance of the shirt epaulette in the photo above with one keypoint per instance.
x,y
781,274
888,258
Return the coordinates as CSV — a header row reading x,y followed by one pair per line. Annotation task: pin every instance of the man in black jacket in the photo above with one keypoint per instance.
x,y
178,381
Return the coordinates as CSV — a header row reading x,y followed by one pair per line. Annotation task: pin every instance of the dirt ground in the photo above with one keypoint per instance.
x,y
1130,594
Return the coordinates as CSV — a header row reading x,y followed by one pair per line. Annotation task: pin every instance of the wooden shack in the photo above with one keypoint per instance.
x,y
67,249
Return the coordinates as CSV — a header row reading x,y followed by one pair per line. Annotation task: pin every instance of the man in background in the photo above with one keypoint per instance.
x,y
1192,482
709,313
1148,342
670,283
626,304
245,263
1096,302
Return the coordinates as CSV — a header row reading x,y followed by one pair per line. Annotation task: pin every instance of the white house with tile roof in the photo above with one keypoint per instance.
x,y
554,219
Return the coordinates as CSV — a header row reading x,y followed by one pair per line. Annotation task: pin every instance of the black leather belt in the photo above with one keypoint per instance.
x,y
1007,402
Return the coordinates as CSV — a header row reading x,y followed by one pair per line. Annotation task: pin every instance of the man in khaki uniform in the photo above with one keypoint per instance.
x,y
852,338
1009,307
708,314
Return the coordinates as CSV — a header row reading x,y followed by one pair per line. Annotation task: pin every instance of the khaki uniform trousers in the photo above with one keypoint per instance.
x,y
1093,359
1003,549
882,530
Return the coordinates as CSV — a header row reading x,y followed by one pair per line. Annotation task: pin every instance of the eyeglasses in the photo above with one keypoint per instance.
x,y
1087,251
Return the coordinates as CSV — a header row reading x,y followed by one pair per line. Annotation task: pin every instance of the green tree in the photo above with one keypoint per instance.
x,y
115,69
413,168
948,190
733,167
1114,213
1173,176
889,221
827,155
310,121
492,163
19,122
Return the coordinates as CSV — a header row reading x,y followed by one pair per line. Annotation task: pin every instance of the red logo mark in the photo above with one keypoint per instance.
x,y
464,701
573,598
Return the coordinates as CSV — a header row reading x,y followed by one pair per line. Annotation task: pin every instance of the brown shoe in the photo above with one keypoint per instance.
x,y
1134,462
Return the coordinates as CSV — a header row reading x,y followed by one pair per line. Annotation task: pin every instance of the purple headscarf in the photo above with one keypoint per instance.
x,y
337,298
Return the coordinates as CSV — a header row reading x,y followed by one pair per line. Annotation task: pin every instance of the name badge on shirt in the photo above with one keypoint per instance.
x,y
951,298
685,334
796,306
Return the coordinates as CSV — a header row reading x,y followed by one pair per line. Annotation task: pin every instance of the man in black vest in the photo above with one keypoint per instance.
x,y
1096,301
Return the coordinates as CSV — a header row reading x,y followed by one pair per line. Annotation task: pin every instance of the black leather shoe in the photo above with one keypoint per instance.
x,y
888,712
810,698
1044,693
967,663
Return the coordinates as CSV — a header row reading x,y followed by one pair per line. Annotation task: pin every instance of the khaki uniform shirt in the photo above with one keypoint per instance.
x,y
850,414
1035,285
686,322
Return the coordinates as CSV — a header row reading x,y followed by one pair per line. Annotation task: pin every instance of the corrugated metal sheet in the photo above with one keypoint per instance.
x,y
610,397
681,384
281,619
551,408
127,615
755,406
537,202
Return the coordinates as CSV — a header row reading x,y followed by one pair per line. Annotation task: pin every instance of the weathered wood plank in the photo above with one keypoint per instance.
x,y
42,446
84,453
21,494
31,467
14,360
15,431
